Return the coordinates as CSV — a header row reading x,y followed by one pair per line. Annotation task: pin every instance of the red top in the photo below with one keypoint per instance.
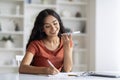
x,y
41,54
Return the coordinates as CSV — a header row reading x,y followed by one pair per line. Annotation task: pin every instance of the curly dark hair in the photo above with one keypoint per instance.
x,y
37,31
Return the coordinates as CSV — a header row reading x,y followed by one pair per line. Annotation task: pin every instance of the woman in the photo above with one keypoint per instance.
x,y
48,41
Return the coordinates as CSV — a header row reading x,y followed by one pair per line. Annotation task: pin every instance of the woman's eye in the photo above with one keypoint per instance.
x,y
55,23
47,26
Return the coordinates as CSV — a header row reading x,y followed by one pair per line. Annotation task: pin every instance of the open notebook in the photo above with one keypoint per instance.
x,y
85,74
104,74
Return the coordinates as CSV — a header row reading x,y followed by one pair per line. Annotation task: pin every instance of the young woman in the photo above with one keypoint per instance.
x,y
48,41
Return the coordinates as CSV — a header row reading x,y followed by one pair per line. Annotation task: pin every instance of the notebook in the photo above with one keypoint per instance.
x,y
105,74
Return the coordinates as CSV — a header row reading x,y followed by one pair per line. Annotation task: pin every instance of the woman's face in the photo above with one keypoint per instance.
x,y
51,26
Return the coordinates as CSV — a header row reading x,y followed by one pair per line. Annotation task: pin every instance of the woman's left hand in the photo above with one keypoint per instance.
x,y
67,39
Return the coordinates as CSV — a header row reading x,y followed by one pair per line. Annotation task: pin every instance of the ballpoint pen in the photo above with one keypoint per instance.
x,y
72,33
76,32
50,64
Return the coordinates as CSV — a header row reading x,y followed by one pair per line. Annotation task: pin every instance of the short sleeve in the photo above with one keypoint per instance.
x,y
32,48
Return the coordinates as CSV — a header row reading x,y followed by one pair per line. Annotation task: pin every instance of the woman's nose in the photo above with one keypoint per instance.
x,y
53,27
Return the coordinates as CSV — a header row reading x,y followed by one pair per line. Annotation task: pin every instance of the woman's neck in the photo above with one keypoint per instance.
x,y
52,43
52,40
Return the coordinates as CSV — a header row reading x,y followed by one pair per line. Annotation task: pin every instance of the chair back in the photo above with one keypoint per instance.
x,y
19,59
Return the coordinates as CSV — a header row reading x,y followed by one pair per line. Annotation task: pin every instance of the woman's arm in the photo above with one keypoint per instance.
x,y
25,66
68,48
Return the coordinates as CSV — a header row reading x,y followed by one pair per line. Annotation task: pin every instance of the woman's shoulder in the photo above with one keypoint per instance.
x,y
36,42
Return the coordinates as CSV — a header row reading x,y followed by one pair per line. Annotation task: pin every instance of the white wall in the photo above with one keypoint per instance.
x,y
107,39
91,32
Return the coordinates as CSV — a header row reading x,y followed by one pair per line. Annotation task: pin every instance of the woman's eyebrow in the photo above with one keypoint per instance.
x,y
54,20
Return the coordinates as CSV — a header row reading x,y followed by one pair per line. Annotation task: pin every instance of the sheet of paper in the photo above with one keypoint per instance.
x,y
70,74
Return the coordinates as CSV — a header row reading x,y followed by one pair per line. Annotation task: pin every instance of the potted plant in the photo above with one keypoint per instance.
x,y
8,41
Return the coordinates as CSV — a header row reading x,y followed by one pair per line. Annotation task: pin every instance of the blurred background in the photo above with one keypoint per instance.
x,y
96,48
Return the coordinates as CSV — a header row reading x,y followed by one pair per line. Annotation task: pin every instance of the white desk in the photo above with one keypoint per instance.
x,y
62,76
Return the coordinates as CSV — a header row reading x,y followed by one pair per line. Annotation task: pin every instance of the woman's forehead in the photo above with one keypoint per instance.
x,y
50,19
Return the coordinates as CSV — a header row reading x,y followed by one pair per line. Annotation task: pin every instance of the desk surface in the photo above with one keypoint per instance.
x,y
60,76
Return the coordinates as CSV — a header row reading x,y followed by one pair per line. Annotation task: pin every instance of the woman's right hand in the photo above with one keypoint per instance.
x,y
52,70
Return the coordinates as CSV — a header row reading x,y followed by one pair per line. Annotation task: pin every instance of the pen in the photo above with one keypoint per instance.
x,y
75,32
50,64
72,75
